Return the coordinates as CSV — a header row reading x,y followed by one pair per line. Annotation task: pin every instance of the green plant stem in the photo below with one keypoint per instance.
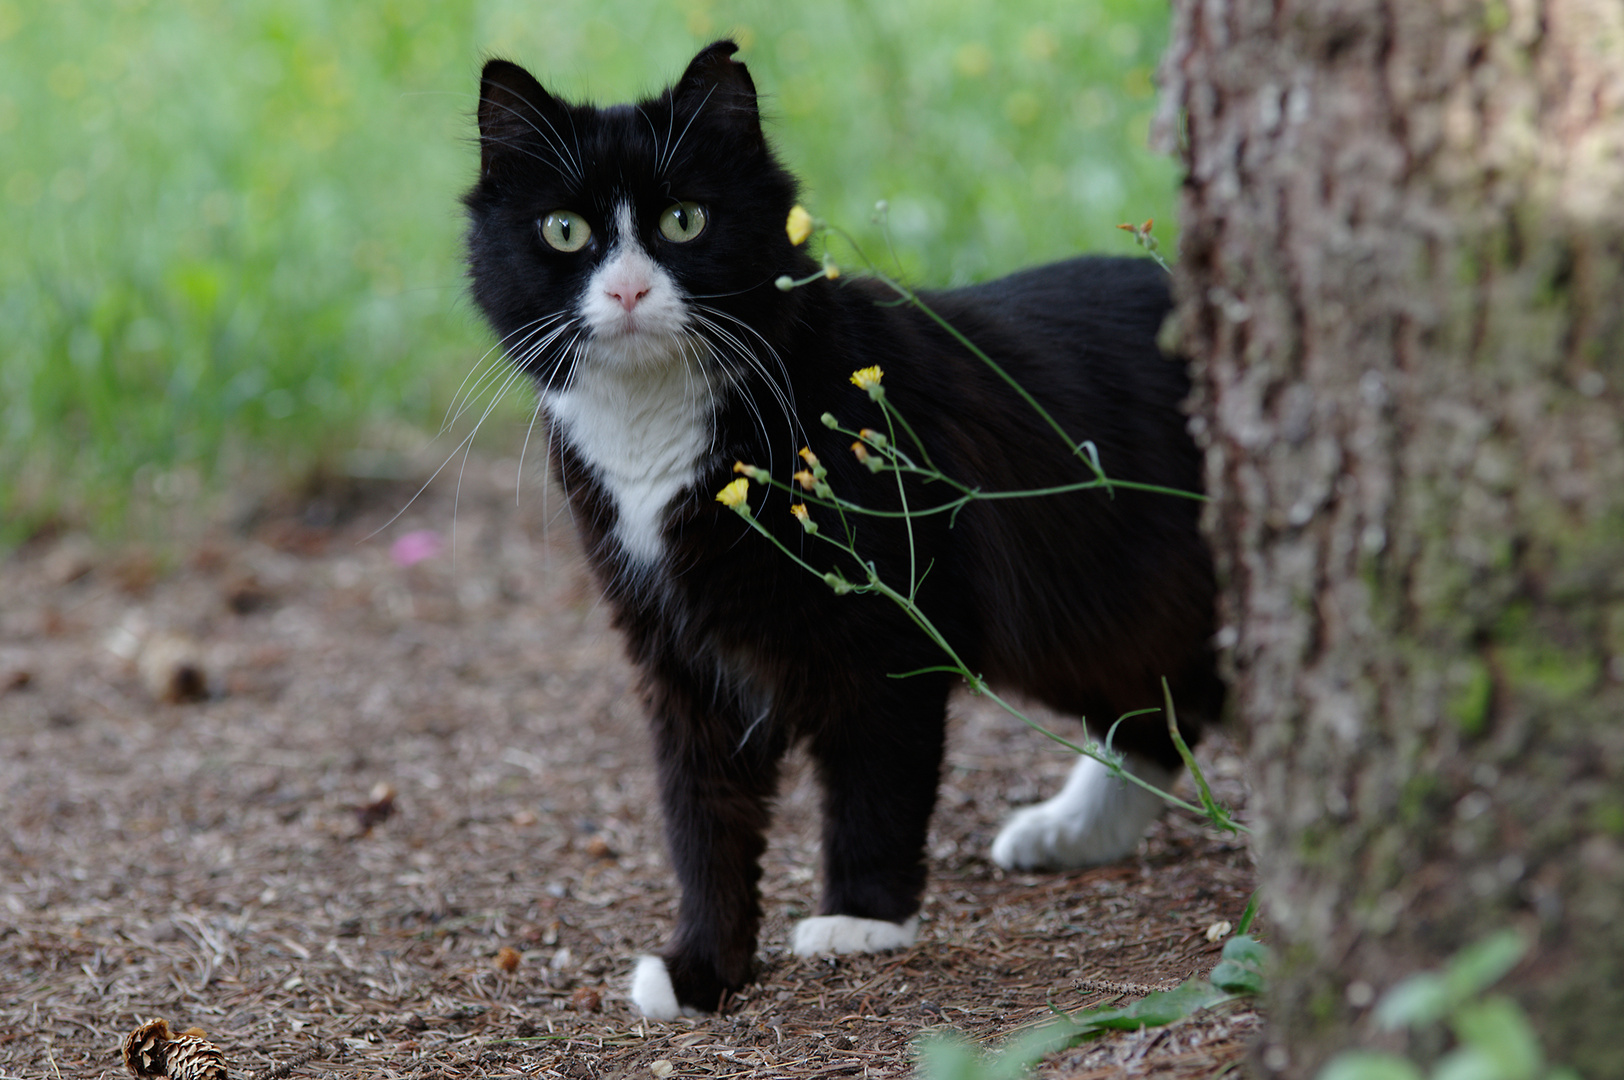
x,y
909,296
1216,814
1212,810
890,455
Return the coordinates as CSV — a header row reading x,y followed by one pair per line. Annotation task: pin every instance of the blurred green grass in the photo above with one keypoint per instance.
x,y
229,232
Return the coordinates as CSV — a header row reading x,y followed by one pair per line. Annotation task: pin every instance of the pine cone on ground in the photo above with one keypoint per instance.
x,y
152,1051
146,1050
193,1057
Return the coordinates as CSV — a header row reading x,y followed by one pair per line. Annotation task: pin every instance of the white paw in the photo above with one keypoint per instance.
x,y
1095,819
849,934
653,994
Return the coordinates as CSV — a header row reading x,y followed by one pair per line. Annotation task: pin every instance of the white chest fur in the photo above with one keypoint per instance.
x,y
643,431
638,404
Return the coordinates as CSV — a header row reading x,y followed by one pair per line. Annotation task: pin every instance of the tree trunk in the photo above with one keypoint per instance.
x,y
1402,278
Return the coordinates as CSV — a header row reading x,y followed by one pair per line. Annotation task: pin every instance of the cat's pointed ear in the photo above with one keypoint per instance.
x,y
715,81
514,111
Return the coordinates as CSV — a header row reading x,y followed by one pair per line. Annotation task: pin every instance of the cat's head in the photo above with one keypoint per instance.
x,y
615,235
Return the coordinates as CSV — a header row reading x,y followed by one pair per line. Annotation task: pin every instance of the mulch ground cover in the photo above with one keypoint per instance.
x,y
382,806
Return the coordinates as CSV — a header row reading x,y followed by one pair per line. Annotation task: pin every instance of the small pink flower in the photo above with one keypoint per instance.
x,y
414,547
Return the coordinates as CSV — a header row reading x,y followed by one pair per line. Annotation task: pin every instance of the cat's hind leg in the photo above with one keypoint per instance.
x,y
1095,819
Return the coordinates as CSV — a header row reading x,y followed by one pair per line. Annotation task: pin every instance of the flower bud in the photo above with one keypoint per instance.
x,y
799,225
734,494
869,379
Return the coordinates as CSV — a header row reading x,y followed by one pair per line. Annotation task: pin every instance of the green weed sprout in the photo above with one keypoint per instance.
x,y
1493,1037
1239,974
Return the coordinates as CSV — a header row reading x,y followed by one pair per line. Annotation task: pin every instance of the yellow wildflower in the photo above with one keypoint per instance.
x,y
830,270
805,518
867,378
806,479
861,451
799,225
734,494
808,456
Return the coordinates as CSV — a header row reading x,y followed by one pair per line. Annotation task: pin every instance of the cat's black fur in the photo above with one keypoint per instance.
x,y
1084,601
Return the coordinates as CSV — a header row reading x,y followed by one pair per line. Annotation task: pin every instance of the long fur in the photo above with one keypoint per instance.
x,y
1085,601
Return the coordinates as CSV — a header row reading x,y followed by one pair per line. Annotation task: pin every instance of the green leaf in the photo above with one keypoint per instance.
x,y
1241,971
1032,1046
950,1057
1415,1002
1468,1063
1369,1065
1498,1028
1246,950
1236,978
1428,997
1245,925
1155,1009
1217,815
1477,967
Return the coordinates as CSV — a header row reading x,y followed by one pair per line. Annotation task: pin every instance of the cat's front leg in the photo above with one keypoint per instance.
x,y
717,773
879,772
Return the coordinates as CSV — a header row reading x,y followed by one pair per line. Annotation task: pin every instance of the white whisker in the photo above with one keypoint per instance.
x,y
730,346
671,150
513,376
555,144
557,147
517,356
424,487
524,448
447,420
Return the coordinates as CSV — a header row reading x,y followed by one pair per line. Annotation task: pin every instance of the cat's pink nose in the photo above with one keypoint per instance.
x,y
627,294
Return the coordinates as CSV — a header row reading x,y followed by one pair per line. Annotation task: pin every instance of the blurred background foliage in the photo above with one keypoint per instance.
x,y
229,231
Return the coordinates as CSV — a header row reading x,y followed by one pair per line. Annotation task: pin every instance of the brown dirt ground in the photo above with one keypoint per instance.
x,y
207,862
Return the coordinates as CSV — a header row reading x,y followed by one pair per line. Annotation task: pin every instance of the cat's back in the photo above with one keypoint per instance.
x,y
1083,599
1081,336
1095,301
1087,289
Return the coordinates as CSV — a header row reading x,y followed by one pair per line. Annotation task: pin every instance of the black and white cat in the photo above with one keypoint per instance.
x,y
627,257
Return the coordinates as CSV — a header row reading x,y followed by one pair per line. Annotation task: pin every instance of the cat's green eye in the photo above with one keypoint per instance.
x,y
565,230
682,222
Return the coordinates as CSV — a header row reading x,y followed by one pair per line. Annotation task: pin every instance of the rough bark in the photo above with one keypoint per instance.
x,y
1402,274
